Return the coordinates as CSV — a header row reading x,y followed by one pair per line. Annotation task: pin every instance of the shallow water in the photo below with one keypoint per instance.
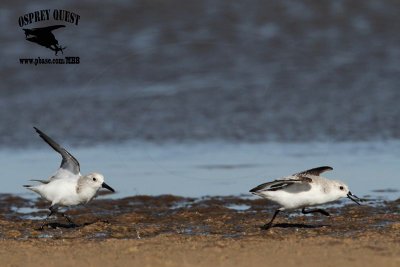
x,y
199,169
216,75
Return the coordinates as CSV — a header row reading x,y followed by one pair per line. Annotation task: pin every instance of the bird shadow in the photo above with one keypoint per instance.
x,y
299,225
55,225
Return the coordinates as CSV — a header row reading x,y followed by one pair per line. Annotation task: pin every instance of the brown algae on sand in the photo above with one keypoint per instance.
x,y
141,217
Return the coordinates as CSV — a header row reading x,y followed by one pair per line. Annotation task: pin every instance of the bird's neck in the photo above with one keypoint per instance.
x,y
85,193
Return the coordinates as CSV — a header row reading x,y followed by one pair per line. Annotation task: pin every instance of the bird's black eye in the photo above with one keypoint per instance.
x,y
341,187
94,179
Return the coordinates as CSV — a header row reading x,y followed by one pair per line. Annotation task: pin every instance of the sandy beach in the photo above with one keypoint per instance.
x,y
267,249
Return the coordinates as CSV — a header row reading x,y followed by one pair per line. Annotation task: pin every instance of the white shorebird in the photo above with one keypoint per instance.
x,y
67,187
302,190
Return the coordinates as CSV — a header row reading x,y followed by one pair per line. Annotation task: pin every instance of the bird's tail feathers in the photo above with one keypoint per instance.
x,y
31,187
40,181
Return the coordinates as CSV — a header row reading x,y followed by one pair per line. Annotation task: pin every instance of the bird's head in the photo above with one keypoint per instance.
x,y
96,181
340,189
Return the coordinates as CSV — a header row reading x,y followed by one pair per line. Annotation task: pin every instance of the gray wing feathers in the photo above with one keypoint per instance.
x,y
280,184
301,178
68,162
314,171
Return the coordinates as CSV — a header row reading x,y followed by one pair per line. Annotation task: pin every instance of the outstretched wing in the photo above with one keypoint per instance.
x,y
69,163
48,28
314,171
281,184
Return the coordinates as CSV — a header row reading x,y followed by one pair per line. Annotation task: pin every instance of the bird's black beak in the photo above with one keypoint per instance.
x,y
354,198
104,185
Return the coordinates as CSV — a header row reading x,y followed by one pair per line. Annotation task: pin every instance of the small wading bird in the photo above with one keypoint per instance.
x,y
302,190
67,187
44,37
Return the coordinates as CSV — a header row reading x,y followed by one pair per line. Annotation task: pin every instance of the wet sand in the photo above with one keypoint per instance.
x,y
213,231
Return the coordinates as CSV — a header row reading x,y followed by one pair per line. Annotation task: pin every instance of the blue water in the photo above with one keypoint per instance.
x,y
213,168
206,70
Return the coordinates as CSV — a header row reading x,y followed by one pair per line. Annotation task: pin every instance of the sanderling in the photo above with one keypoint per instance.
x,y
67,187
302,190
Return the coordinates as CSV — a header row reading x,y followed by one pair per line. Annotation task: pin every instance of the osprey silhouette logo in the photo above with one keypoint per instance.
x,y
47,25
45,37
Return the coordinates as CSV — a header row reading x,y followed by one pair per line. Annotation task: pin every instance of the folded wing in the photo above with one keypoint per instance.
x,y
281,184
297,178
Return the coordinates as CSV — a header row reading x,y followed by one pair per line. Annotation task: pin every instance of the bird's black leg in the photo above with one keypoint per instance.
x,y
53,210
324,212
269,225
68,219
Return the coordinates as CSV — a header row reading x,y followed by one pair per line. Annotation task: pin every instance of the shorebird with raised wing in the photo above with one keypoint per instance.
x,y
67,187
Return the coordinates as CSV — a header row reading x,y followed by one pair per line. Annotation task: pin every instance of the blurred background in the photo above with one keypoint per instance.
x,y
231,92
